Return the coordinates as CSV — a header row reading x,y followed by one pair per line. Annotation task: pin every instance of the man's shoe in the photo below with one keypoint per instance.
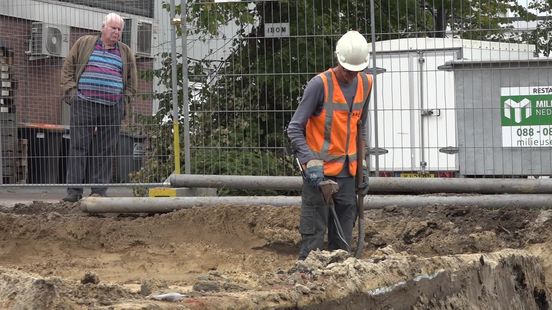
x,y
72,198
98,195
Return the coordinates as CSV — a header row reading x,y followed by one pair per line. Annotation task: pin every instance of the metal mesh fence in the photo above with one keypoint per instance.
x,y
36,38
462,88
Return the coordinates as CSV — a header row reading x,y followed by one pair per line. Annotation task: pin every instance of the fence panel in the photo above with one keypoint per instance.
x,y
462,88
36,38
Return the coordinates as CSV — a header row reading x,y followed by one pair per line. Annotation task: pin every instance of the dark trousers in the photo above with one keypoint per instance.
x,y
316,217
94,132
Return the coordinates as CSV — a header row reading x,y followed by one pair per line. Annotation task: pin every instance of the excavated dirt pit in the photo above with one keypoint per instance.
x,y
54,256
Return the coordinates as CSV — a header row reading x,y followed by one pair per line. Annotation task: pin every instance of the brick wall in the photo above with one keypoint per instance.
x,y
38,94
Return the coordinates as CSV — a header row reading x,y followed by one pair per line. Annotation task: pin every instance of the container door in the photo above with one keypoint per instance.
x,y
393,121
414,120
437,140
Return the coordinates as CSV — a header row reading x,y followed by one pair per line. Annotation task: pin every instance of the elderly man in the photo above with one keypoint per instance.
x,y
99,77
323,133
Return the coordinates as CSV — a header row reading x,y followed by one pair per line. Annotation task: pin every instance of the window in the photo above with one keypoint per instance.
x,y
136,7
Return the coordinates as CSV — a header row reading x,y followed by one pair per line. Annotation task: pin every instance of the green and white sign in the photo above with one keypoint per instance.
x,y
526,116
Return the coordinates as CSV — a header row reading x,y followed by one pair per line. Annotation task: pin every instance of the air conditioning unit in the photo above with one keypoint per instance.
x,y
137,35
49,40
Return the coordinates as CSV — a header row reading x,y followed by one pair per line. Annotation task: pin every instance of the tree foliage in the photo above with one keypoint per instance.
x,y
477,20
541,35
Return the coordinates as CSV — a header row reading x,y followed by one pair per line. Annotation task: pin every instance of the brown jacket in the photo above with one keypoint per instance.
x,y
76,61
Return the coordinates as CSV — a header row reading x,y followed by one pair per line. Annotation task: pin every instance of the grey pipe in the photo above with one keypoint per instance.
x,y
236,181
377,184
168,204
482,201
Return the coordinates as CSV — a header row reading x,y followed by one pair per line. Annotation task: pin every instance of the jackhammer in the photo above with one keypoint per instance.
x,y
329,187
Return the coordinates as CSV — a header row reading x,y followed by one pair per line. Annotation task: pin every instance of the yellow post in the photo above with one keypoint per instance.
x,y
176,147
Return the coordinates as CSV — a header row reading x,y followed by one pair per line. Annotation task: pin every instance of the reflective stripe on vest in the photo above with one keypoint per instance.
x,y
332,134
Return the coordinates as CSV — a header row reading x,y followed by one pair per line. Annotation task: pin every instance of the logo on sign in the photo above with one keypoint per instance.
x,y
517,108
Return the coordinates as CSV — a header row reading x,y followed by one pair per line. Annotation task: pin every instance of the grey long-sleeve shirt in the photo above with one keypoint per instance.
x,y
311,104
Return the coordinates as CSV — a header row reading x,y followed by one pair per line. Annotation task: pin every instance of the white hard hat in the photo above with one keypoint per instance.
x,y
352,51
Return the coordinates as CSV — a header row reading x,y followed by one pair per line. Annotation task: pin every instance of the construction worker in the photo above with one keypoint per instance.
x,y
323,132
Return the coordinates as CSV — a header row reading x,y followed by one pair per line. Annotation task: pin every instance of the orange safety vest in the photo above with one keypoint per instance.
x,y
331,136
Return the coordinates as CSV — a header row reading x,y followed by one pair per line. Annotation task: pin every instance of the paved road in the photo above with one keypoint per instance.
x,y
13,195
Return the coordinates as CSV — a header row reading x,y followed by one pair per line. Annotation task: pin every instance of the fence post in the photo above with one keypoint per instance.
x,y
374,84
176,132
185,103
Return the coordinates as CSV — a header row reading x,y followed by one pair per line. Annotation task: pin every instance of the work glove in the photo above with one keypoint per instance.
x,y
315,172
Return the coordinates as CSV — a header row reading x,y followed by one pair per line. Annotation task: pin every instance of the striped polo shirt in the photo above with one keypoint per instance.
x,y
102,78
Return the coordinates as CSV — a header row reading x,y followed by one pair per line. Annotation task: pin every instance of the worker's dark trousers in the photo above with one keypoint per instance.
x,y
316,216
94,132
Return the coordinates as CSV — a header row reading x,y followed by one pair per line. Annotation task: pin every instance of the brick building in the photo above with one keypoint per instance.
x,y
35,36
35,70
